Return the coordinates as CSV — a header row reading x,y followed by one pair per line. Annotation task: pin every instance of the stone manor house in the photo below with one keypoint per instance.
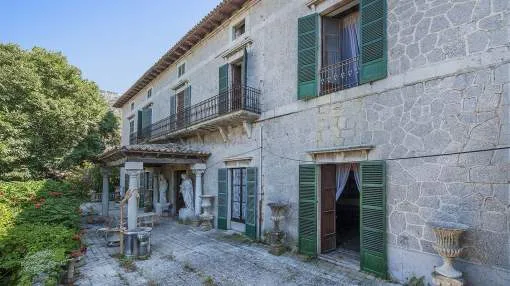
x,y
368,118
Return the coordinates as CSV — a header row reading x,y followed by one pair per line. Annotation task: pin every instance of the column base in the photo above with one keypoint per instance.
x,y
206,222
441,280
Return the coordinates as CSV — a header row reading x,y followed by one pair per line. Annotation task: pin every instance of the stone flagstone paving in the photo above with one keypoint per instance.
x,y
184,255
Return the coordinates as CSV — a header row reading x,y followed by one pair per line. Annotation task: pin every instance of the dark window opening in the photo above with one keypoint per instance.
x,y
238,30
340,51
181,70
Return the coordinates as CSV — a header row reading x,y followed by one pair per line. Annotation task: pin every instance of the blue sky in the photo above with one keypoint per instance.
x,y
112,42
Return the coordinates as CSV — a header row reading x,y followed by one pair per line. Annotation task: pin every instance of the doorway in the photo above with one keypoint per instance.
x,y
179,200
340,213
237,83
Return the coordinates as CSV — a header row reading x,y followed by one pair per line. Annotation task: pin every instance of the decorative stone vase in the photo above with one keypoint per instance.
x,y
206,218
448,245
276,236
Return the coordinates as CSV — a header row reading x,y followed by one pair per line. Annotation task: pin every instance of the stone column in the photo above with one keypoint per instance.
x,y
198,170
155,189
105,196
122,181
133,169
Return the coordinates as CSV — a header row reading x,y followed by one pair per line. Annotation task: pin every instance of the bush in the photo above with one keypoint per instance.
x,y
38,225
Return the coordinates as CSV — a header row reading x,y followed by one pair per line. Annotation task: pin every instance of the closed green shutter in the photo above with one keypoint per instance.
x,y
373,40
222,198
308,39
251,203
373,218
307,210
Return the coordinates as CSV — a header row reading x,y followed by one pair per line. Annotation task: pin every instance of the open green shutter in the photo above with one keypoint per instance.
x,y
222,198
223,78
187,104
373,218
308,39
373,40
307,210
251,203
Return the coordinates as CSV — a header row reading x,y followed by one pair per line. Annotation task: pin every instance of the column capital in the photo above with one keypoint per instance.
x,y
106,171
198,169
133,172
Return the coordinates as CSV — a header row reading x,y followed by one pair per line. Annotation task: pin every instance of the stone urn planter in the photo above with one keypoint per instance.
x,y
448,245
206,218
276,236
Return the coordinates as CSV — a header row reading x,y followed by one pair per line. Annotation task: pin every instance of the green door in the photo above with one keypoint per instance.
x,y
222,198
373,218
251,203
307,241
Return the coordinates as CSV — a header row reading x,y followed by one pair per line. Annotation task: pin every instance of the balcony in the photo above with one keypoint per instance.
x,y
338,76
234,106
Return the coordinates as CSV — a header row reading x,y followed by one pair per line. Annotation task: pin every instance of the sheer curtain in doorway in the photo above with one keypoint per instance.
x,y
342,174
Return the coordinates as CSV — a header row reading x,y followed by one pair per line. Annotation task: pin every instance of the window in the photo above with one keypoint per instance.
x,y
149,93
348,56
239,194
181,70
238,30
340,51
132,106
131,126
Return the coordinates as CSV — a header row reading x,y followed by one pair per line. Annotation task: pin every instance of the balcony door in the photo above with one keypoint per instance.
x,y
340,50
237,83
179,98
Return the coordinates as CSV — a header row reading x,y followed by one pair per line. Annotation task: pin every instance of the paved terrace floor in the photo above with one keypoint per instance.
x,y
185,255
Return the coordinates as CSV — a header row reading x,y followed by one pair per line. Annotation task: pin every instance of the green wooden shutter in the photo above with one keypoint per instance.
x,y
173,108
307,210
373,40
223,78
308,47
373,218
245,67
251,203
139,124
187,104
222,198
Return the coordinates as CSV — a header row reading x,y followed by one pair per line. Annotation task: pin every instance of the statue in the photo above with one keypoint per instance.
x,y
163,187
188,212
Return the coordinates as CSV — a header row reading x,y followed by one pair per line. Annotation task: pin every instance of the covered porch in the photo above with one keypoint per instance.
x,y
149,181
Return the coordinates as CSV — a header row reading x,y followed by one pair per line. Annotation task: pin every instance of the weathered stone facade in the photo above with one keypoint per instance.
x,y
440,120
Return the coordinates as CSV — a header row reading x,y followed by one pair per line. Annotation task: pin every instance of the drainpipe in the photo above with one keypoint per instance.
x,y
261,187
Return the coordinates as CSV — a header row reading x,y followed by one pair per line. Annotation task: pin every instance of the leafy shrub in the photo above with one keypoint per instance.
x,y
38,225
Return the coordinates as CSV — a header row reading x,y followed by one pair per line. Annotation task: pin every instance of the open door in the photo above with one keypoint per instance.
x,y
328,208
373,218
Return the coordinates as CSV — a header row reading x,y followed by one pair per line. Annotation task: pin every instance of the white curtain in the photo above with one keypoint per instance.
x,y
355,170
349,42
342,174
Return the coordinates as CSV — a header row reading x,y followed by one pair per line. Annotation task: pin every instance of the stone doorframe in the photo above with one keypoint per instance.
x,y
335,155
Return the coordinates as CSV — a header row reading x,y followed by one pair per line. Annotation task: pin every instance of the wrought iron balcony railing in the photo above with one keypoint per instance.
x,y
234,99
342,75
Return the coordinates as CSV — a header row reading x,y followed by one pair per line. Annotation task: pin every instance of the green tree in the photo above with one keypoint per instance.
x,y
50,117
